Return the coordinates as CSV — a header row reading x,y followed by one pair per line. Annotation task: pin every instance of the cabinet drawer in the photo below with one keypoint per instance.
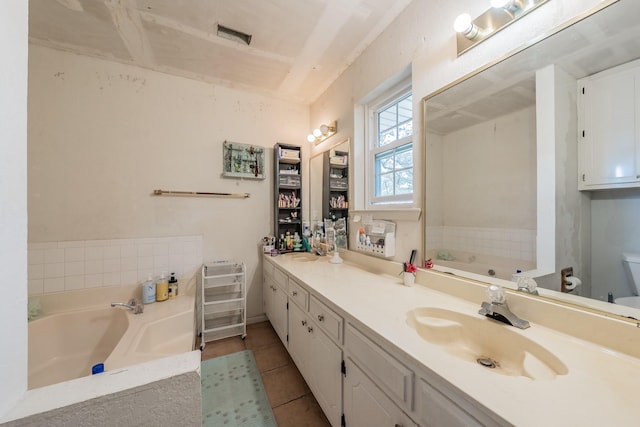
x,y
390,375
326,319
281,279
298,294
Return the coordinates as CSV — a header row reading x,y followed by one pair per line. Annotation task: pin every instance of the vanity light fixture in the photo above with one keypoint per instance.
x,y
501,14
323,132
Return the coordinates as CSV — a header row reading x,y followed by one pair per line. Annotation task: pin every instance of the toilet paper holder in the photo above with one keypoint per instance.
x,y
569,282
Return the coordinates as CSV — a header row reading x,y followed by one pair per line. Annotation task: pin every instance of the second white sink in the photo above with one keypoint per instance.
x,y
492,345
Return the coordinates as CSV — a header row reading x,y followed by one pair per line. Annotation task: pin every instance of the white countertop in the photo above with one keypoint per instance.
x,y
600,387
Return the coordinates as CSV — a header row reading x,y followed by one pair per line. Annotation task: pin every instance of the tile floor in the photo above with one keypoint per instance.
x,y
291,400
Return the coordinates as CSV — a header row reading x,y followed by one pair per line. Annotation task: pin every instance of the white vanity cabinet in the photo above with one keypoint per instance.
x,y
319,361
274,299
609,128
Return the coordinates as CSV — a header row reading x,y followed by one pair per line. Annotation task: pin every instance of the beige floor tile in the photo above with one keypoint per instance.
x,y
271,356
284,385
260,335
222,347
302,412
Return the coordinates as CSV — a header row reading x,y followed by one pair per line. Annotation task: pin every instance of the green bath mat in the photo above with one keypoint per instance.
x,y
233,394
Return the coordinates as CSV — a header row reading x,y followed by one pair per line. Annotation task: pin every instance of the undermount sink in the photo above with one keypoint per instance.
x,y
492,345
304,256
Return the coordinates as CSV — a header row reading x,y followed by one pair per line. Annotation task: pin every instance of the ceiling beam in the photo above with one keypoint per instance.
x,y
129,26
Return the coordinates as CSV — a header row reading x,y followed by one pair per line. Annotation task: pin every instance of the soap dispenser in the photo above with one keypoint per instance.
x,y
162,288
173,286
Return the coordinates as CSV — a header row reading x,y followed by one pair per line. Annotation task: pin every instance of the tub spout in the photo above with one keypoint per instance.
x,y
132,305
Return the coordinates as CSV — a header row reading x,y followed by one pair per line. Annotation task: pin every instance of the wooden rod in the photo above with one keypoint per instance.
x,y
199,194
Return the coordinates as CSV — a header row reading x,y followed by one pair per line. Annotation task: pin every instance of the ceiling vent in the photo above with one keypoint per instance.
x,y
234,35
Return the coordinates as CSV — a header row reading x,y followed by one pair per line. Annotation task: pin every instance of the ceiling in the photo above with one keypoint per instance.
x,y
298,48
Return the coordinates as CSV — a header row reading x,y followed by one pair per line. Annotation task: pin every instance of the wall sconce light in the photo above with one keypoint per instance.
x,y
323,132
501,14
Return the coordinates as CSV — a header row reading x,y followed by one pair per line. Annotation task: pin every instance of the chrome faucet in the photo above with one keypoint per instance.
x,y
528,285
132,305
499,310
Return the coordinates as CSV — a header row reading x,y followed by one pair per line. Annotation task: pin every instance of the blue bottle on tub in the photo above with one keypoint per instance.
x,y
149,291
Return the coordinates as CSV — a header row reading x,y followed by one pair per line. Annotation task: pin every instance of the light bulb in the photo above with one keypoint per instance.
x,y
317,133
462,24
324,129
311,138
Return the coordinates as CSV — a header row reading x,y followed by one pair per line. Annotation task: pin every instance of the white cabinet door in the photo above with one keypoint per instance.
x,y
319,360
299,339
435,409
365,405
326,377
274,302
610,143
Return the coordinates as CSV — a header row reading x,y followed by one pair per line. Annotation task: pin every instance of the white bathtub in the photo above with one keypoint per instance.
x,y
66,344
482,265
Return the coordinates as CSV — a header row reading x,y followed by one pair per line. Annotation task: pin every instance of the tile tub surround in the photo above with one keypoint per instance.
x,y
73,265
601,353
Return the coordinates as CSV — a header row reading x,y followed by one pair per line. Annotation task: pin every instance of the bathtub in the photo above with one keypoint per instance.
x,y
65,344
483,265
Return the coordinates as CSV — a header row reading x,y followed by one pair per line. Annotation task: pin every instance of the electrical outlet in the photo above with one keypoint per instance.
x,y
564,273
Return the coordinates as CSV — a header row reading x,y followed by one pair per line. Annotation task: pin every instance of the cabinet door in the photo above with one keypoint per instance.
x,y
435,409
299,339
365,405
267,297
325,378
609,148
279,320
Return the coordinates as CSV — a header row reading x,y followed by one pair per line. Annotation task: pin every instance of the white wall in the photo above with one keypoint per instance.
x,y
422,37
13,201
103,136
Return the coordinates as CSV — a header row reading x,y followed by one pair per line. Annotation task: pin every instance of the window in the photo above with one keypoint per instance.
x,y
391,150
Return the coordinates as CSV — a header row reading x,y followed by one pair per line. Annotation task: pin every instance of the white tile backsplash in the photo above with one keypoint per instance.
x,y
71,265
507,243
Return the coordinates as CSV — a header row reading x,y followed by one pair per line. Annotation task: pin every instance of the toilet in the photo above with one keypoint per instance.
x,y
631,264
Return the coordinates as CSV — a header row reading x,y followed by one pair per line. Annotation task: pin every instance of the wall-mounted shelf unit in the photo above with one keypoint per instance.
x,y
379,239
335,185
223,306
287,190
242,161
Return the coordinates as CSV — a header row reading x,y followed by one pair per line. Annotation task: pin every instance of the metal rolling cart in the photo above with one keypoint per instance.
x,y
223,301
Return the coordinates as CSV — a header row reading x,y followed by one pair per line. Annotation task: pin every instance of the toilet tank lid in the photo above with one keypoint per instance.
x,y
629,257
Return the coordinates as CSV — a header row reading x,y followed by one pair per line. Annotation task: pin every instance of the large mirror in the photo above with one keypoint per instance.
x,y
329,186
501,177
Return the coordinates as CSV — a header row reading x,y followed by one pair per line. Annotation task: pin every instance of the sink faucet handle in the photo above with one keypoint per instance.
x,y
496,294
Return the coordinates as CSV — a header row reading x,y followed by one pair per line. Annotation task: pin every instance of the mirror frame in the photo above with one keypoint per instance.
x,y
543,251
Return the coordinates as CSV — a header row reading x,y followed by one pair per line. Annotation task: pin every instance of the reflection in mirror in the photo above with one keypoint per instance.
x,y
501,155
329,185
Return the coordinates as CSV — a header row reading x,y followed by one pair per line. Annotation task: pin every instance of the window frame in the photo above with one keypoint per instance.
x,y
392,96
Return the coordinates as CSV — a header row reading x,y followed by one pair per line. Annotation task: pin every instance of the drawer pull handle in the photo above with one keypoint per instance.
x,y
320,318
304,323
294,293
309,329
398,425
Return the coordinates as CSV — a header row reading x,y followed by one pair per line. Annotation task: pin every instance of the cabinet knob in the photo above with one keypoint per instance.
x,y
320,318
304,323
309,329
294,293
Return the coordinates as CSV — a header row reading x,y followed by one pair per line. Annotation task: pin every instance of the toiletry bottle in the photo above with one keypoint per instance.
x,y
173,286
162,288
149,291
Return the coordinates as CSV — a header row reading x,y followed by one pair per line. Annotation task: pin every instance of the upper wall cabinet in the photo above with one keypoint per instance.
x,y
609,148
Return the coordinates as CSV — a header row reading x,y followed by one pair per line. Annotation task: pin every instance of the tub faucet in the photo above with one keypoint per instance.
x,y
132,305
499,310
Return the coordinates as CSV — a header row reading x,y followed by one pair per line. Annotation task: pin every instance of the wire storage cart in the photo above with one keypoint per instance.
x,y
224,303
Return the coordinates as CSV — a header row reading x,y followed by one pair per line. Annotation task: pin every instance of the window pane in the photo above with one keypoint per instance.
x,y
404,181
387,138
405,129
405,109
404,156
384,185
387,119
384,162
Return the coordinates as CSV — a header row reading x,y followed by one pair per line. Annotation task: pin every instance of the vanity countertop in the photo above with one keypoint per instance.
x,y
600,387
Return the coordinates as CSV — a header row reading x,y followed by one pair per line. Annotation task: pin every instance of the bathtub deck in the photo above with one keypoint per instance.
x,y
291,400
